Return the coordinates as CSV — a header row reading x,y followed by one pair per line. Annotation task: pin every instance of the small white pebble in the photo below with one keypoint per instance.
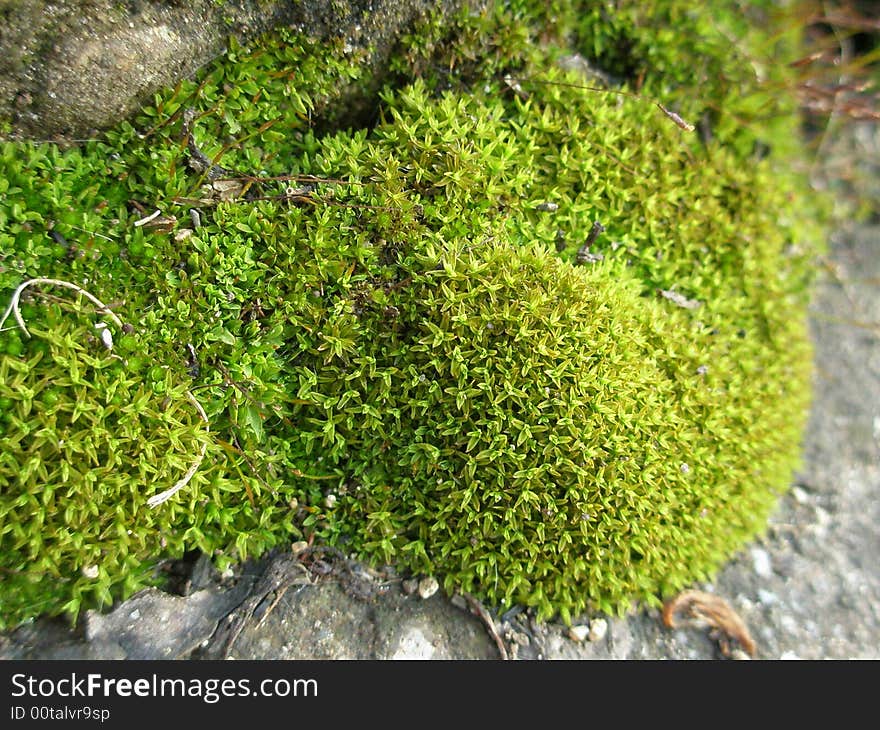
x,y
685,469
428,587
90,571
800,495
298,547
739,655
330,501
767,598
598,629
761,562
578,633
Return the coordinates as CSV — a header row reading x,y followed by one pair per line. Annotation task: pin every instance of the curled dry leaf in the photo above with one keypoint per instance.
x,y
725,624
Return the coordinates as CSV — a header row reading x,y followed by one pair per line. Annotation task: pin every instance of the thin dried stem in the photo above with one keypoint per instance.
x,y
158,499
14,310
845,57
480,610
676,119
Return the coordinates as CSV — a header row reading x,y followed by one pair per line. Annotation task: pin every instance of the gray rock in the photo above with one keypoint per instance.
x,y
428,587
71,67
157,625
325,622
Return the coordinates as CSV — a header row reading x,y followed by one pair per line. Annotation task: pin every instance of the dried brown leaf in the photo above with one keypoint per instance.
x,y
725,623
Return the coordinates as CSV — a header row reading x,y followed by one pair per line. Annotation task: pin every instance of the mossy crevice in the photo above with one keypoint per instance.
x,y
396,317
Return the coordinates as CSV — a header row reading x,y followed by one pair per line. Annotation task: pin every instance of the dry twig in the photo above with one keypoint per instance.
x,y
489,622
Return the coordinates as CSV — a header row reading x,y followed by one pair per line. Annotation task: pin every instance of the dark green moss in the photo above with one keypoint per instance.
x,y
414,332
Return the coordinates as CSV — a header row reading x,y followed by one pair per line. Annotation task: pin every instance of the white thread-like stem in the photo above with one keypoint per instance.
x,y
13,304
13,309
158,499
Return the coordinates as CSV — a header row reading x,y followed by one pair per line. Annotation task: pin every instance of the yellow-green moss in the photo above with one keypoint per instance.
x,y
416,335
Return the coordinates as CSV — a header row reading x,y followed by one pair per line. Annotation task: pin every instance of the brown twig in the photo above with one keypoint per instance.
x,y
489,623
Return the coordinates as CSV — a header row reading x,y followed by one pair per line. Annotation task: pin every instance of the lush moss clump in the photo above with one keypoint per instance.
x,y
398,338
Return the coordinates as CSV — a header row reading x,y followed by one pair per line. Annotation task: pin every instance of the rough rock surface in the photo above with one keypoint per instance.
x,y
809,589
70,67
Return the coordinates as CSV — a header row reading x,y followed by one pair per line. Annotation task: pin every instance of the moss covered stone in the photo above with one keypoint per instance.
x,y
421,319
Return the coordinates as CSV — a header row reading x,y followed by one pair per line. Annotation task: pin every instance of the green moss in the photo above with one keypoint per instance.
x,y
415,334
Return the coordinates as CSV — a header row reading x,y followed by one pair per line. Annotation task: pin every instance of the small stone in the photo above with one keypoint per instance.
x,y
330,501
702,370
685,469
90,571
410,586
459,602
598,629
739,655
761,562
767,598
299,546
547,207
578,633
428,587
800,495
181,235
